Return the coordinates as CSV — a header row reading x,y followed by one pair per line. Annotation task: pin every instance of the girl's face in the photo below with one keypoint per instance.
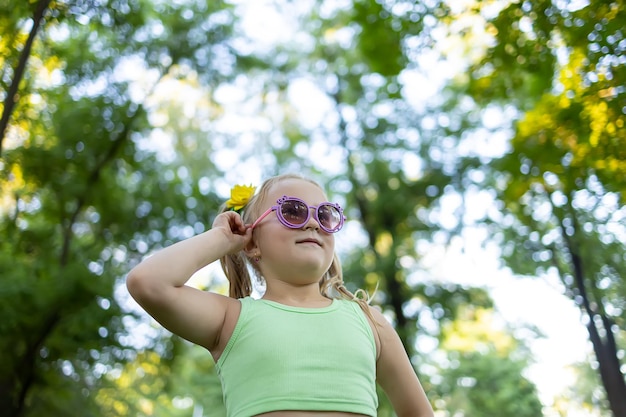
x,y
301,256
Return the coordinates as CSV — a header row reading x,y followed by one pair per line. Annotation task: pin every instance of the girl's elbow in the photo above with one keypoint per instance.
x,y
138,284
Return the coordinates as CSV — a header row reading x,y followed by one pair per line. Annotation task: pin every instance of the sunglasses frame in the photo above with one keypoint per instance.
x,y
285,223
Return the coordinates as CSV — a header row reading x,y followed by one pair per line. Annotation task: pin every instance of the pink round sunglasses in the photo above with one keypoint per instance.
x,y
294,213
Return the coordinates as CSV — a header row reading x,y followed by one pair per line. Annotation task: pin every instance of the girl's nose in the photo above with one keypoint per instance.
x,y
312,222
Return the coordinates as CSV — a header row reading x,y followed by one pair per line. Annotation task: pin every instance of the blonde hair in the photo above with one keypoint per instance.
x,y
235,266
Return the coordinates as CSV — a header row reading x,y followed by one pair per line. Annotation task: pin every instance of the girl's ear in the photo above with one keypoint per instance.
x,y
252,249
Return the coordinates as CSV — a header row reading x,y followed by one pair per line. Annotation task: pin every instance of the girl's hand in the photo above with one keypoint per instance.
x,y
231,225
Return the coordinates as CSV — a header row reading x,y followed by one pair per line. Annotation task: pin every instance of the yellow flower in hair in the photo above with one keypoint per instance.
x,y
239,196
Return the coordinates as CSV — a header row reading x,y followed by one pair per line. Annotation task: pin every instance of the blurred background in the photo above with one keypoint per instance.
x,y
479,148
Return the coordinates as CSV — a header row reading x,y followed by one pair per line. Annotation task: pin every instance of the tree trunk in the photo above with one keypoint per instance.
x,y
394,288
18,73
16,383
604,348
610,373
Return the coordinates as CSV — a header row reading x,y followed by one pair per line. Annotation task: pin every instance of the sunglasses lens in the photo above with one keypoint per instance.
x,y
329,216
294,212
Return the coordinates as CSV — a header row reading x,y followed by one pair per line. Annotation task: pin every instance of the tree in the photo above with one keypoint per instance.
x,y
77,188
562,183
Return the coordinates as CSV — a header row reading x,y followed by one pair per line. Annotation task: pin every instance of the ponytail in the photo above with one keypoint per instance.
x,y
236,270
332,282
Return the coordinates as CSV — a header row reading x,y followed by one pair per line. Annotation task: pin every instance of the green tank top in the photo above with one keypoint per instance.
x,y
293,358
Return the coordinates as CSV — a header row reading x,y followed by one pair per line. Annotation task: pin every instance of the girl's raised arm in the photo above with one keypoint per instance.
x,y
158,282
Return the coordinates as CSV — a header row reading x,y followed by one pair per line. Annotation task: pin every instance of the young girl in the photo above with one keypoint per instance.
x,y
308,347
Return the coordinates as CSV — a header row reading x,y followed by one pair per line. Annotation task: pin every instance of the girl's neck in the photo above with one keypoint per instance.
x,y
297,296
